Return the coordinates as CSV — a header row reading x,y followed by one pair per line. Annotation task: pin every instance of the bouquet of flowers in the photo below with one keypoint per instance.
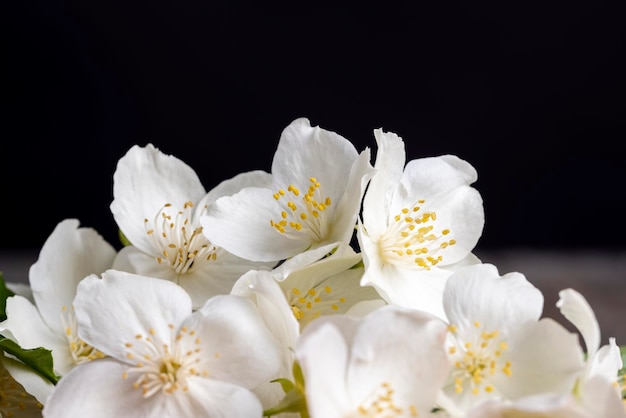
x,y
337,285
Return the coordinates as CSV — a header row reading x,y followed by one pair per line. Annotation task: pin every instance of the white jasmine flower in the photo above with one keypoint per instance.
x,y
314,199
157,202
69,254
324,281
498,346
163,359
420,223
390,363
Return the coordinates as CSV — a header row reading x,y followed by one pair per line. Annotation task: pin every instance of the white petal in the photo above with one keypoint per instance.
x,y
96,389
607,362
409,356
478,293
428,177
145,179
390,160
349,204
545,357
304,152
218,277
255,178
241,348
576,309
69,254
322,352
215,399
261,289
133,260
120,306
241,225
342,252
408,288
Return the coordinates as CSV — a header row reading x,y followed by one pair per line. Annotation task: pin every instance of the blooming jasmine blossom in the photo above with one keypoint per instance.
x,y
324,281
157,202
389,363
69,254
498,346
420,223
163,359
318,180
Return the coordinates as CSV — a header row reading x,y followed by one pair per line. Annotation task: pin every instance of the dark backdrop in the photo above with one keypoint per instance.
x,y
532,95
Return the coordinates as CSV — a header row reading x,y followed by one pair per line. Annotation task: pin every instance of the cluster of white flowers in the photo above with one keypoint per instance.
x,y
331,287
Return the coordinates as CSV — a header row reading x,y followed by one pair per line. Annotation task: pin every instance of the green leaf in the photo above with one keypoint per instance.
x,y
5,293
39,359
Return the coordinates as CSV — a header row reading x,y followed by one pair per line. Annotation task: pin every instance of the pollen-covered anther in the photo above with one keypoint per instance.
x,y
81,351
165,366
302,213
475,362
312,303
413,237
381,404
176,241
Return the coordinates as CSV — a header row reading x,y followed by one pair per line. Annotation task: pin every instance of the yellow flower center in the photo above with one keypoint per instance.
x,y
306,214
178,242
159,366
476,361
80,350
310,304
381,405
412,239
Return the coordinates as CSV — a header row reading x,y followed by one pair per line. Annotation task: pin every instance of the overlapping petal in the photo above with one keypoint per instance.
x,y
318,181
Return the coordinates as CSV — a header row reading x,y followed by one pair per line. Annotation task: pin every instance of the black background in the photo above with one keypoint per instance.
x,y
532,95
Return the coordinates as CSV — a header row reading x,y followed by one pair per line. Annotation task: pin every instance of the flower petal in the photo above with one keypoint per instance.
x,y
145,179
69,254
478,293
390,161
323,354
544,357
231,223
97,389
242,349
108,312
577,310
408,356
255,178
